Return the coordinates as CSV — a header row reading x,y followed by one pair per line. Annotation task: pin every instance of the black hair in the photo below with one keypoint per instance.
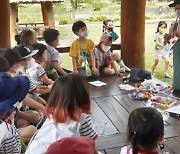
x,y
50,35
160,24
4,65
105,23
77,26
145,126
25,35
11,56
41,48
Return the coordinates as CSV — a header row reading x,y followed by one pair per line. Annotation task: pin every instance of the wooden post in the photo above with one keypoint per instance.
x,y
13,17
48,15
4,24
133,32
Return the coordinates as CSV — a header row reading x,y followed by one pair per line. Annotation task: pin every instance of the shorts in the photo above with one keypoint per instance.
x,y
158,55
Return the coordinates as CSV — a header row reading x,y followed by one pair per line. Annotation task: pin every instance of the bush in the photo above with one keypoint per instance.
x,y
63,21
97,18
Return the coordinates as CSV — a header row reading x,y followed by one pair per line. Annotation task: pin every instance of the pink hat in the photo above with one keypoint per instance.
x,y
72,145
105,37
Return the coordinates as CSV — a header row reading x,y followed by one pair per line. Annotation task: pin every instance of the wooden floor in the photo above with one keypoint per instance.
x,y
110,111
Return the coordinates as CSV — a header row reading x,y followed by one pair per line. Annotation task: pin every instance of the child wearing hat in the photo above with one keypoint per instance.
x,y
27,63
104,58
14,60
73,145
12,91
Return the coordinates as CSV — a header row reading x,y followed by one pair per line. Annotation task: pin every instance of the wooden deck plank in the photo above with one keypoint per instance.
x,y
113,151
111,141
101,122
116,113
128,103
173,145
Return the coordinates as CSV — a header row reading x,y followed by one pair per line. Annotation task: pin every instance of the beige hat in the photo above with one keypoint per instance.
x,y
105,37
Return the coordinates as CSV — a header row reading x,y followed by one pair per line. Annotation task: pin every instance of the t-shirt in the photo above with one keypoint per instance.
x,y
160,38
53,56
103,56
36,73
81,51
51,132
9,139
128,150
113,35
22,71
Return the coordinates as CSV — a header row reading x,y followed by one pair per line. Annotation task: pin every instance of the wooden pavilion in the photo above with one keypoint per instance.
x,y
132,26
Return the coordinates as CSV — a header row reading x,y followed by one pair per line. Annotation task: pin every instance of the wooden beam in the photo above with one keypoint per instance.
x,y
4,24
13,18
132,32
48,15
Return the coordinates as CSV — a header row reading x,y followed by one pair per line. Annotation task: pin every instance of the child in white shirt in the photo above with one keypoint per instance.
x,y
68,109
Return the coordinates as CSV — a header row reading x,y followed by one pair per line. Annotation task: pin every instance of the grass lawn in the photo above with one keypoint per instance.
x,y
67,38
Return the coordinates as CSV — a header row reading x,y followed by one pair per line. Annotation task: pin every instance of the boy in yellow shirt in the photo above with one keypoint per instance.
x,y
82,51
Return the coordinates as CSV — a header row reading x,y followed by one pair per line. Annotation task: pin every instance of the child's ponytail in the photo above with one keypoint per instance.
x,y
135,142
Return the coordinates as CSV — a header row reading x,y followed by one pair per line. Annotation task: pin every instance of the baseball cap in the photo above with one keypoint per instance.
x,y
105,37
25,51
72,145
175,2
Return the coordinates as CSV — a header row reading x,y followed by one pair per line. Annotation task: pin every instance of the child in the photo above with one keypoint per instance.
x,y
68,109
108,29
28,62
28,37
14,60
12,90
159,40
145,131
37,72
4,65
103,56
82,51
73,145
51,37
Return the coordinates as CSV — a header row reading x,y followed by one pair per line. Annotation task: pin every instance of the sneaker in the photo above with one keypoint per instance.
x,y
122,70
167,75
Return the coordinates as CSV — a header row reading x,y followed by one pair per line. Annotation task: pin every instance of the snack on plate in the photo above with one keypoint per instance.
x,y
140,95
162,102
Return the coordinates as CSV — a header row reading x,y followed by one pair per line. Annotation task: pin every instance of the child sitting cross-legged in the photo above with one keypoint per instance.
x,y
104,58
68,110
145,131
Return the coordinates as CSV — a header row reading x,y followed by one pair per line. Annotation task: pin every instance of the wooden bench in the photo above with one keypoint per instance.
x,y
67,48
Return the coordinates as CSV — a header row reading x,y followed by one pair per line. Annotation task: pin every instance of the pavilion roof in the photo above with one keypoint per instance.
x,y
34,1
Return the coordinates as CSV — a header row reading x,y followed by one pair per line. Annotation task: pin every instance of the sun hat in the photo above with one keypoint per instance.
x,y
12,90
175,2
72,145
105,37
25,51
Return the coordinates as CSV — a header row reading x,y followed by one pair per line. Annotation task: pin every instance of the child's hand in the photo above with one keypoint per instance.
x,y
33,117
95,70
118,73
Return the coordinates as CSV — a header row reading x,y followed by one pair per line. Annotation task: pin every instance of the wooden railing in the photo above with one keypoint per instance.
x,y
67,48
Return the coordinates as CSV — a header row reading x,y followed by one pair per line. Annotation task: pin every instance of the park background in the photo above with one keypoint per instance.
x,y
93,13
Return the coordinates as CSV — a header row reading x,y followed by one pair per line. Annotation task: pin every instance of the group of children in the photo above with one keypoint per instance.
x,y
27,74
